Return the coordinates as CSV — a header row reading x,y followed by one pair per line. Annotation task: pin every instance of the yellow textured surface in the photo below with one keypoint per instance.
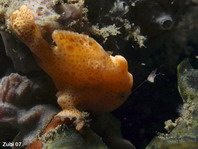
x,y
86,76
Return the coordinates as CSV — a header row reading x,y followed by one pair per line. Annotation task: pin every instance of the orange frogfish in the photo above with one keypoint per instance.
x,y
87,77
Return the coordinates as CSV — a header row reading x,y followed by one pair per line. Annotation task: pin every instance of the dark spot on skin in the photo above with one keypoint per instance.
x,y
90,43
69,47
81,42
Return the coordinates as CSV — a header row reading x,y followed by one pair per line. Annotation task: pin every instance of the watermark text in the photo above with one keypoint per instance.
x,y
11,144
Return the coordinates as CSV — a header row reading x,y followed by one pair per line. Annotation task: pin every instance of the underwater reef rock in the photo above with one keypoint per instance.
x,y
23,92
188,82
38,128
184,132
163,15
98,78
70,139
21,57
5,62
14,88
49,14
187,30
58,134
32,122
111,20
29,119
131,20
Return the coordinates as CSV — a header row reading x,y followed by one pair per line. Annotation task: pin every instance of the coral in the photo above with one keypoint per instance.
x,y
13,88
23,92
136,35
113,21
83,72
49,14
105,32
31,122
29,119
163,17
